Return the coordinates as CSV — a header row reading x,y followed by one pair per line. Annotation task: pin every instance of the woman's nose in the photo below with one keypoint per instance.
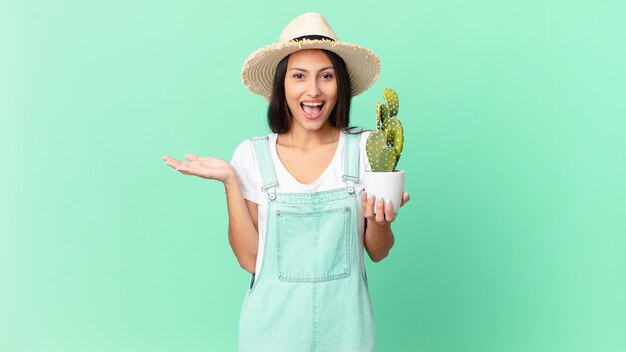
x,y
313,89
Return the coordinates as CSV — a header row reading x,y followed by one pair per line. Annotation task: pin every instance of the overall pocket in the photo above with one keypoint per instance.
x,y
313,246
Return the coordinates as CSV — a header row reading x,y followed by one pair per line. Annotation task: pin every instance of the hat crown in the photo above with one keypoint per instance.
x,y
310,23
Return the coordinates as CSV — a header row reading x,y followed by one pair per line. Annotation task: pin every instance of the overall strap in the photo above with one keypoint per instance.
x,y
351,156
264,160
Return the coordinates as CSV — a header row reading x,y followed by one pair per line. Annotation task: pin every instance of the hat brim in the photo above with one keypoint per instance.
x,y
259,69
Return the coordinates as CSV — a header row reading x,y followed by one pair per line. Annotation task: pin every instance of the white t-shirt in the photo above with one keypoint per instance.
x,y
245,164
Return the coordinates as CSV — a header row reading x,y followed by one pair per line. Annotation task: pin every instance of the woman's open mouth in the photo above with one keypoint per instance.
x,y
312,110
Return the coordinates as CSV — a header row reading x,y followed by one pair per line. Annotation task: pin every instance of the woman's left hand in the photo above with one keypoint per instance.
x,y
380,217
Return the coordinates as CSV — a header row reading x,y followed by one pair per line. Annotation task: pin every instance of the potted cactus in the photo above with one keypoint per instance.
x,y
383,148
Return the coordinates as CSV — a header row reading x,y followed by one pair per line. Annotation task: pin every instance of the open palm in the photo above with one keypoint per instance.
x,y
205,167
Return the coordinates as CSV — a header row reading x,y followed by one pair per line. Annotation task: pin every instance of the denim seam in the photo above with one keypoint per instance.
x,y
313,198
313,287
316,212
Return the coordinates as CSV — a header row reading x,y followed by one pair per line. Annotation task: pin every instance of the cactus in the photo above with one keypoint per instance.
x,y
384,145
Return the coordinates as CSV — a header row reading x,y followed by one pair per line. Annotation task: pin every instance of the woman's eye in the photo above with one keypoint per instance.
x,y
327,76
298,76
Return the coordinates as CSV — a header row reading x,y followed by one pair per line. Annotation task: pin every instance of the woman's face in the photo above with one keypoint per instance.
x,y
310,88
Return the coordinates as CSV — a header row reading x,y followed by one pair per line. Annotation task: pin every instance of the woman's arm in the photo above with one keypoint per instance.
x,y
242,214
378,235
378,240
243,234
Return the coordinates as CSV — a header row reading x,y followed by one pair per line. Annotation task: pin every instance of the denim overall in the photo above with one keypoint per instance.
x,y
311,294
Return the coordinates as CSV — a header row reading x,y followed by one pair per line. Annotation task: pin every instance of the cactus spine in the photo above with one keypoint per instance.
x,y
384,145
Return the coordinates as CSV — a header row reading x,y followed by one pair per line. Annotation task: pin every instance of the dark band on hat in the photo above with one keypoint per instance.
x,y
312,37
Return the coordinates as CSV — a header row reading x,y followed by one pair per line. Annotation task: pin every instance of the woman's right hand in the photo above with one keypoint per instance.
x,y
205,167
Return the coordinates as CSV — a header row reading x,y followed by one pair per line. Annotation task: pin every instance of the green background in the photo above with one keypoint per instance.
x,y
515,121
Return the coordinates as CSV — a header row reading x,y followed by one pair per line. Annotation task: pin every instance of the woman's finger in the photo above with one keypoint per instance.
x,y
167,158
172,162
191,157
389,215
369,209
380,211
183,167
405,198
178,165
363,202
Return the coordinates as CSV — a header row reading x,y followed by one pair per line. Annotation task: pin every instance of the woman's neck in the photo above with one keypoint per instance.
x,y
302,138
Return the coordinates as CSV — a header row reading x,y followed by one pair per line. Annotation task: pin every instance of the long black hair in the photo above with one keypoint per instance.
x,y
278,115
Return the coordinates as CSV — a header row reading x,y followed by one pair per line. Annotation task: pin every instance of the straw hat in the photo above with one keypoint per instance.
x,y
309,31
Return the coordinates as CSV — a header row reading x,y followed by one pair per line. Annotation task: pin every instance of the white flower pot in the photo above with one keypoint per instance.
x,y
387,185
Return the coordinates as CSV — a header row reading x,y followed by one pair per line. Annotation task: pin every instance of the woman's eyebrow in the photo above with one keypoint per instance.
x,y
301,69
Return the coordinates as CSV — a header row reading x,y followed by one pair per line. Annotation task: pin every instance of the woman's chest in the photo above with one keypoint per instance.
x,y
306,166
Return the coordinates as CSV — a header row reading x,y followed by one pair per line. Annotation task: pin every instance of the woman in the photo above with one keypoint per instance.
x,y
294,219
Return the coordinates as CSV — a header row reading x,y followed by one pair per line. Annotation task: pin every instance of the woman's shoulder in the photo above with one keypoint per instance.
x,y
356,130
249,142
361,132
245,149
